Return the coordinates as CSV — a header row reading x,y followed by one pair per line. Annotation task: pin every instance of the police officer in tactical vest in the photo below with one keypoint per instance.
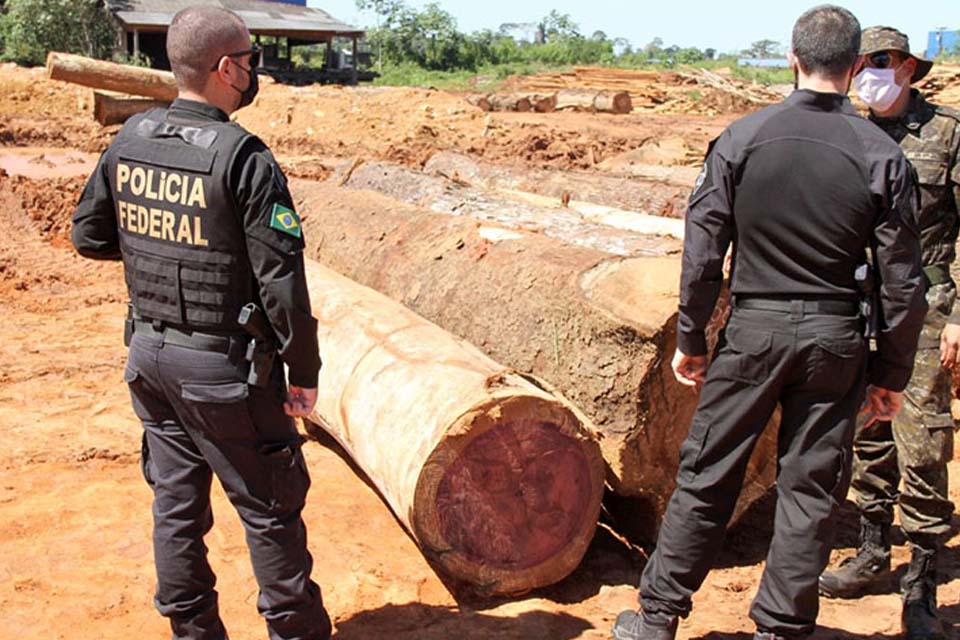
x,y
802,190
915,447
198,210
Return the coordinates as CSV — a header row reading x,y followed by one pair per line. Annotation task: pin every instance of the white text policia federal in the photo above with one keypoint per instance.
x,y
161,186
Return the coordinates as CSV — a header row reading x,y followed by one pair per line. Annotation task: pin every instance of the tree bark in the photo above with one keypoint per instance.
x,y
599,328
498,478
515,210
111,76
112,108
660,191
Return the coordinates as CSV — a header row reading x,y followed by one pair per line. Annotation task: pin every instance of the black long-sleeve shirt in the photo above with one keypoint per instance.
x,y
802,189
276,260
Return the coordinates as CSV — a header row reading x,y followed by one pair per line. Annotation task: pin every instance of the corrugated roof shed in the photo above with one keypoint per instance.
x,y
261,18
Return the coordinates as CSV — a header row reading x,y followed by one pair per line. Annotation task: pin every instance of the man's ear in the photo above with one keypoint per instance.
x,y
906,71
225,70
792,60
858,65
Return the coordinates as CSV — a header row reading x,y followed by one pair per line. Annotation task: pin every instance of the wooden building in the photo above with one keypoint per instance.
x,y
277,26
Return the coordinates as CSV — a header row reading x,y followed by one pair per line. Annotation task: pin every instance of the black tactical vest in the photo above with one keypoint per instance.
x,y
181,236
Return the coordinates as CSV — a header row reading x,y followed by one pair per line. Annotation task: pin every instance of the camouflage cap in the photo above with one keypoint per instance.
x,y
876,39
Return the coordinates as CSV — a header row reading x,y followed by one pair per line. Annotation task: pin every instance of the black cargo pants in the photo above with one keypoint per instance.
x,y
814,366
200,418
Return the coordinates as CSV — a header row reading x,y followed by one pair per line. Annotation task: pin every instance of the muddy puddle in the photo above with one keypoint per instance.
x,y
45,162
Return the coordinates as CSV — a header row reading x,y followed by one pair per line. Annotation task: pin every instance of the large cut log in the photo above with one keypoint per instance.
x,y
111,76
616,102
527,212
660,191
599,328
498,478
115,108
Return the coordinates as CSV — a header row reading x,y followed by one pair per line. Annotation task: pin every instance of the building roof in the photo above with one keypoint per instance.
x,y
261,17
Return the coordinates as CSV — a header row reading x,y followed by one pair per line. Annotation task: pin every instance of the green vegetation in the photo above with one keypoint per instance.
x,y
31,28
424,47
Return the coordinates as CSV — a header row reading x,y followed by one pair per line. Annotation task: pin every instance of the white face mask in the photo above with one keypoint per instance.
x,y
878,88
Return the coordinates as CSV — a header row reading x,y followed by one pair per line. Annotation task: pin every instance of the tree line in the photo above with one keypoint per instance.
x,y
429,38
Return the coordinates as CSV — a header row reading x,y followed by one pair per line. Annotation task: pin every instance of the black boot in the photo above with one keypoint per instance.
x,y
870,567
919,587
633,625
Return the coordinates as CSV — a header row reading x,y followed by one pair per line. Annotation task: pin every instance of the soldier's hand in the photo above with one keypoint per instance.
x,y
882,405
689,370
950,346
300,401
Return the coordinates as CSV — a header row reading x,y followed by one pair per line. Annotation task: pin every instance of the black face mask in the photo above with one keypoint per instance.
x,y
253,87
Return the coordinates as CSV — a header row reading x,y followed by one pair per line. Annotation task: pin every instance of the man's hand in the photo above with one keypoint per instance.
x,y
950,346
300,401
689,370
882,405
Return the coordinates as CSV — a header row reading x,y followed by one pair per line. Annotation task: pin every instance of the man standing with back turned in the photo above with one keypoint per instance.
x,y
916,446
802,189
198,210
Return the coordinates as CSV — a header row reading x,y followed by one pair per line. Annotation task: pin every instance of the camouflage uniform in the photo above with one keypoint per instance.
x,y
918,444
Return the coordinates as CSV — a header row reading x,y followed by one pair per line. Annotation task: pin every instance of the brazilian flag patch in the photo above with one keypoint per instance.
x,y
285,219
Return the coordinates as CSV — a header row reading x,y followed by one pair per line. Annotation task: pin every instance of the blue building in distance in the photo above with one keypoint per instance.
x,y
942,42
299,3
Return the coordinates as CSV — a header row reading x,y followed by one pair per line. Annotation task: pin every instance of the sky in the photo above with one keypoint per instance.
x,y
724,25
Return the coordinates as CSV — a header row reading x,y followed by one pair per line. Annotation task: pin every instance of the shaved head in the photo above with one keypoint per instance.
x,y
198,37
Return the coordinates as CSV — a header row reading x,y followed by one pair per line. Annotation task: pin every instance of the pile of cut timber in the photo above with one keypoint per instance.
x,y
567,99
643,87
942,85
600,328
541,103
655,90
496,476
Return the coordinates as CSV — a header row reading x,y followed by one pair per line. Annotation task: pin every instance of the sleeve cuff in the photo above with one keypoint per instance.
x,y
693,343
304,379
887,377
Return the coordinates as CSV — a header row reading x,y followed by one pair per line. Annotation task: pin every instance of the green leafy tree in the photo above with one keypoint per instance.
x,y
558,26
654,49
32,28
763,49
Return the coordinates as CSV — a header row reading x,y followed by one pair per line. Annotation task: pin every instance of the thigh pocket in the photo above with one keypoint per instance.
x,y
745,356
219,409
287,470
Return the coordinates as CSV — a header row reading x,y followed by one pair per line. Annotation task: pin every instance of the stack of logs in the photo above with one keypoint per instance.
x,y
942,86
648,90
569,99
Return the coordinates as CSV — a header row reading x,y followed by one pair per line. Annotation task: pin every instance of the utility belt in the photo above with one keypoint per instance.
x,y
233,346
254,348
805,307
936,274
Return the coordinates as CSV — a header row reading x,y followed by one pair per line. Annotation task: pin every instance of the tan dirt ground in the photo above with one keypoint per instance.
x,y
75,556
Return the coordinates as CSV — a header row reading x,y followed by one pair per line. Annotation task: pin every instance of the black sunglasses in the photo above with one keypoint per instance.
x,y
253,52
881,60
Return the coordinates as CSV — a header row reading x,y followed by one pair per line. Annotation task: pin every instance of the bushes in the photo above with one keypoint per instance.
x,y
31,28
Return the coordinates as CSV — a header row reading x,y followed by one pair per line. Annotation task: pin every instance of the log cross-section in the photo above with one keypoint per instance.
x,y
497,477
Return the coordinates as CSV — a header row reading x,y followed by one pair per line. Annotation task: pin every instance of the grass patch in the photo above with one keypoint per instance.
x,y
485,79
490,78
